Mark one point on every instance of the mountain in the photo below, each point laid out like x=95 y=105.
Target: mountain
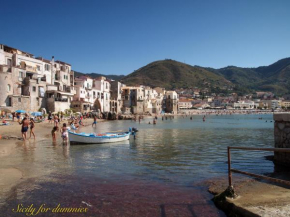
x=274 y=78
x=95 y=75
x=172 y=74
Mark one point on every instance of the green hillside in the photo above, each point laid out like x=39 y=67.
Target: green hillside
x=95 y=75
x=274 y=78
x=172 y=74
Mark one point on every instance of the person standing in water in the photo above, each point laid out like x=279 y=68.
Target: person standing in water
x=24 y=127
x=95 y=121
x=53 y=133
x=64 y=133
x=32 y=125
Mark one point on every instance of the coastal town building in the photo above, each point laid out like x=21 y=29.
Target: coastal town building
x=247 y=104
x=184 y=104
x=60 y=94
x=285 y=104
x=31 y=83
x=171 y=102
x=116 y=102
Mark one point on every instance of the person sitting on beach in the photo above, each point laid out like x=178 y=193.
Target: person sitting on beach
x=32 y=125
x=64 y=133
x=53 y=133
x=24 y=127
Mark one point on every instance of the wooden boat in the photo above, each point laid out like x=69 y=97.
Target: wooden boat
x=92 y=138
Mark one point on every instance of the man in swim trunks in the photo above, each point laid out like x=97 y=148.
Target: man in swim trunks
x=24 y=127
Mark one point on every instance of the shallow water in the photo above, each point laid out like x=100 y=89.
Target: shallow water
x=175 y=153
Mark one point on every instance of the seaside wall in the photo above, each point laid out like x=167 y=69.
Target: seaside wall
x=282 y=138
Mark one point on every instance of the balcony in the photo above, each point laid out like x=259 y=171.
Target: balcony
x=51 y=88
x=30 y=68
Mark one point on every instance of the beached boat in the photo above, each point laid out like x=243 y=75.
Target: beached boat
x=92 y=138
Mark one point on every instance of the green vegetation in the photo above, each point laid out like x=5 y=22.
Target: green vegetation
x=172 y=74
x=96 y=75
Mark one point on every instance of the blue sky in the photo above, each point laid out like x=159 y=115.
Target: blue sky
x=118 y=37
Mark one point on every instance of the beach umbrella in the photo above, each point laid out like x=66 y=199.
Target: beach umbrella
x=20 y=111
x=35 y=114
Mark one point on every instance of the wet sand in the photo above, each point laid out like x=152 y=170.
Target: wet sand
x=113 y=198
x=11 y=176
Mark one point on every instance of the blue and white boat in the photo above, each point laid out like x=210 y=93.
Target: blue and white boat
x=92 y=138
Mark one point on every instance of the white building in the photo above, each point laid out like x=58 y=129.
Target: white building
x=246 y=105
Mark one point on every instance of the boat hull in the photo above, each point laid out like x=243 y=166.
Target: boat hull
x=79 y=138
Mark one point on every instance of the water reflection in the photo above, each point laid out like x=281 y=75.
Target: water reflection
x=176 y=151
x=180 y=150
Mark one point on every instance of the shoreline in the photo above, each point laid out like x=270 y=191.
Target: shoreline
x=42 y=131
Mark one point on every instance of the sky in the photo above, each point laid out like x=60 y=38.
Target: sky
x=120 y=36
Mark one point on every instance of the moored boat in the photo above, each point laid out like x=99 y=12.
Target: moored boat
x=92 y=138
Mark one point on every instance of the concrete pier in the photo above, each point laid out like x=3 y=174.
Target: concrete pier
x=282 y=138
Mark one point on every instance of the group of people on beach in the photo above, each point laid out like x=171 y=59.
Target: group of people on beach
x=26 y=124
x=73 y=124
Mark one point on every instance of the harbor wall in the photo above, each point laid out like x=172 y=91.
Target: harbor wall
x=282 y=138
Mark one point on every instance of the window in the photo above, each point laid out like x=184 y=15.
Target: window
x=8 y=87
x=9 y=102
x=19 y=99
x=9 y=62
x=64 y=77
x=47 y=67
x=34 y=89
x=38 y=67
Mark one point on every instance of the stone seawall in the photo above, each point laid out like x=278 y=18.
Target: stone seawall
x=282 y=138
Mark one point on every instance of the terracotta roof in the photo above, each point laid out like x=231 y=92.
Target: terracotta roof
x=184 y=100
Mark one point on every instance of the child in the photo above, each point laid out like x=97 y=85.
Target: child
x=53 y=133
x=64 y=133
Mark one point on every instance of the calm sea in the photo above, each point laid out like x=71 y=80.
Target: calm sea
x=175 y=152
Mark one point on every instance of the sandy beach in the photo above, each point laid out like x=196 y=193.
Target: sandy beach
x=11 y=138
